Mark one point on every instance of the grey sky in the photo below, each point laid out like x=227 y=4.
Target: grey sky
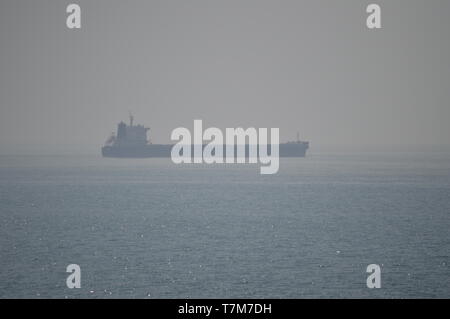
x=308 y=66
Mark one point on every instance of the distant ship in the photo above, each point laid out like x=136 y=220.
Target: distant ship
x=131 y=142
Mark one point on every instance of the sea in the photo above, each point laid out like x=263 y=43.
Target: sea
x=147 y=228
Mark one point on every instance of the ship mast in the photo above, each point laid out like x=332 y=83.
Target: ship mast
x=131 y=119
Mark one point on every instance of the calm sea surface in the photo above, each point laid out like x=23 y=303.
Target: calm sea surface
x=147 y=228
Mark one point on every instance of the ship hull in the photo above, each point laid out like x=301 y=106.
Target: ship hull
x=164 y=150
x=152 y=150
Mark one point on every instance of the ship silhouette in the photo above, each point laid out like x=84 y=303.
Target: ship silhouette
x=131 y=141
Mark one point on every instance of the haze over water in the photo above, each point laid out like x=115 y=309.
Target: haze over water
x=150 y=229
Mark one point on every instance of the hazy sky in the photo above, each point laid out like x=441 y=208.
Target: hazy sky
x=308 y=66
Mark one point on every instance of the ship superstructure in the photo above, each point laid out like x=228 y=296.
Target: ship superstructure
x=129 y=135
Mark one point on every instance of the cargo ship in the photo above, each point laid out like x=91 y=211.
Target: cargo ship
x=131 y=141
